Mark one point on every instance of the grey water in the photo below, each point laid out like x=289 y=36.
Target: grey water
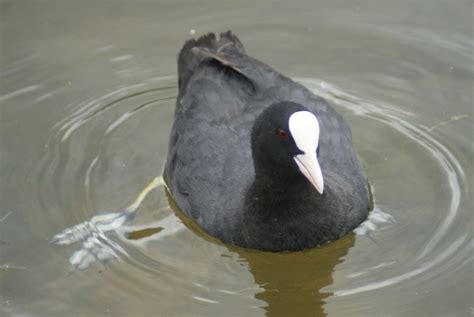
x=87 y=92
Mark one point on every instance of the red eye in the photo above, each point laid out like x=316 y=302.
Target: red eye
x=282 y=134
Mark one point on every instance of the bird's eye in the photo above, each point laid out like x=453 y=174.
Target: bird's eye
x=282 y=134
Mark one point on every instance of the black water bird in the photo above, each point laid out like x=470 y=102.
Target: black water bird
x=256 y=159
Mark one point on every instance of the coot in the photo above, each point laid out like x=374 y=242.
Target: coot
x=256 y=159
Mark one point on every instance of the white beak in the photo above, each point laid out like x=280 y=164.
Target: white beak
x=309 y=166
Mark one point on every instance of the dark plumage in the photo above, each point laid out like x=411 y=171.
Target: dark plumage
x=230 y=171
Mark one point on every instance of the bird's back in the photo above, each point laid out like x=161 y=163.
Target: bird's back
x=209 y=164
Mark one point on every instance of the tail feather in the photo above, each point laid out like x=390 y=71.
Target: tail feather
x=230 y=39
x=188 y=61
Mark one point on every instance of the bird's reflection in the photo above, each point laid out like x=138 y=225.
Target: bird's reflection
x=291 y=282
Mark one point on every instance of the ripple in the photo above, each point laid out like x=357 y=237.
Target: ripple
x=394 y=118
x=115 y=236
x=432 y=253
x=19 y=92
x=98 y=235
x=445 y=254
x=121 y=58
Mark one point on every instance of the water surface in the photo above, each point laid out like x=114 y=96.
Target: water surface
x=87 y=92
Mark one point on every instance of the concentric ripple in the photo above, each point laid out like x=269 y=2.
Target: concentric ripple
x=105 y=142
x=388 y=115
x=85 y=113
x=107 y=113
x=434 y=254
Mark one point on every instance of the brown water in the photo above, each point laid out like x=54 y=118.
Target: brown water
x=87 y=94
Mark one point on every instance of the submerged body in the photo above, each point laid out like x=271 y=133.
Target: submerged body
x=233 y=165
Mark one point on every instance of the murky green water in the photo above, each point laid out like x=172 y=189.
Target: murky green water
x=86 y=101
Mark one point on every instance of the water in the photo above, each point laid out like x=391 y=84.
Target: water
x=86 y=99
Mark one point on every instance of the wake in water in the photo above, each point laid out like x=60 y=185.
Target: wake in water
x=97 y=246
x=95 y=234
